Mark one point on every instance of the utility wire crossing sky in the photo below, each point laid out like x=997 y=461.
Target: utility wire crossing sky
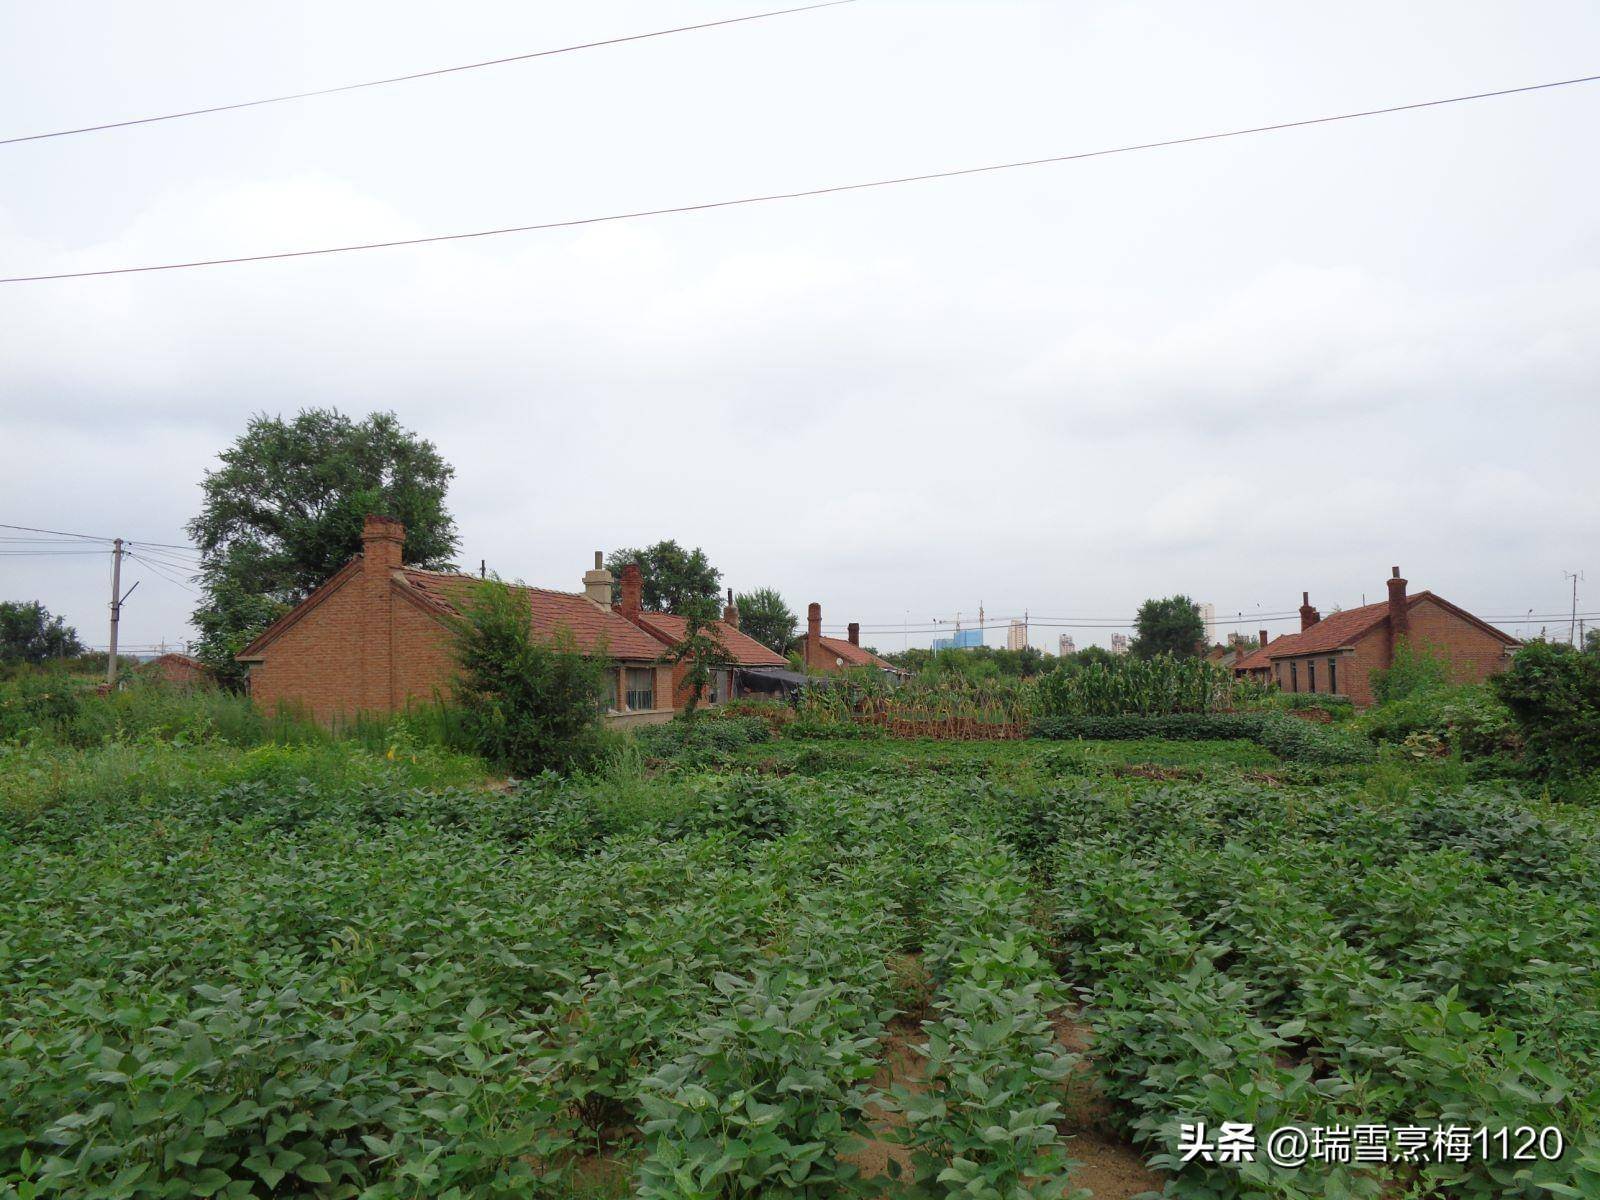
x=578 y=222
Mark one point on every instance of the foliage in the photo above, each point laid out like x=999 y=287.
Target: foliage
x=1553 y=692
x=699 y=652
x=528 y=705
x=284 y=511
x=29 y=634
x=764 y=616
x=1338 y=707
x=38 y=704
x=673 y=576
x=1415 y=668
x=701 y=742
x=974 y=661
x=1285 y=736
x=1468 y=720
x=318 y=970
x=1170 y=626
x=944 y=705
x=1144 y=686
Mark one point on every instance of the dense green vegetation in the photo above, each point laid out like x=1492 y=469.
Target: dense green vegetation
x=243 y=957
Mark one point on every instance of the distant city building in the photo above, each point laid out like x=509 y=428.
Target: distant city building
x=1208 y=614
x=1017 y=636
x=1068 y=646
x=964 y=639
x=1119 y=643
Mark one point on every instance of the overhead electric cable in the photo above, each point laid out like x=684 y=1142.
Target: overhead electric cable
x=805 y=193
x=372 y=83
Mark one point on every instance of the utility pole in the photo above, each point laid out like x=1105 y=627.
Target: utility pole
x=116 y=610
x=1572 y=630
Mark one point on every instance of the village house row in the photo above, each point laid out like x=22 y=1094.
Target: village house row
x=379 y=635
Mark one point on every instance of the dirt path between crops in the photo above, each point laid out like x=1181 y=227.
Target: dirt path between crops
x=1107 y=1164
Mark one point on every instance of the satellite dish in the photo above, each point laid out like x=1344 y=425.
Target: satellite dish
x=838 y=662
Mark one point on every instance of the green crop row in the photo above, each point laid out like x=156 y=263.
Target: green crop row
x=982 y=1122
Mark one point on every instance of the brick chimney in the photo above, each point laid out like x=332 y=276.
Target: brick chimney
x=1399 y=613
x=855 y=633
x=597 y=583
x=730 y=614
x=814 y=622
x=1263 y=636
x=1308 y=615
x=632 y=590
x=383 y=543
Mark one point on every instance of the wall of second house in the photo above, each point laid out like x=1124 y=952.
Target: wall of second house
x=334 y=661
x=1473 y=653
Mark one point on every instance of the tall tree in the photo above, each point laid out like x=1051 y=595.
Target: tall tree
x=284 y=511
x=673 y=576
x=764 y=616
x=700 y=650
x=1170 y=626
x=28 y=633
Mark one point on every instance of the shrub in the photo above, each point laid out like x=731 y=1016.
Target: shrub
x=1283 y=735
x=1468 y=720
x=1413 y=669
x=526 y=704
x=701 y=743
x=1553 y=693
x=38 y=704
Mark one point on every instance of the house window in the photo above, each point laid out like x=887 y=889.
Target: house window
x=721 y=686
x=1333 y=675
x=1311 y=676
x=641 y=689
x=1294 y=677
x=608 y=693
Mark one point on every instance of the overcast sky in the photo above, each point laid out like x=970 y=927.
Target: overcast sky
x=1239 y=370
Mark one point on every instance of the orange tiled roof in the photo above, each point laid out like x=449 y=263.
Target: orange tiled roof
x=745 y=650
x=589 y=624
x=853 y=655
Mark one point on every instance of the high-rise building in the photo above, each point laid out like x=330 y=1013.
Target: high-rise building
x=1068 y=646
x=1208 y=614
x=1119 y=643
x=1017 y=635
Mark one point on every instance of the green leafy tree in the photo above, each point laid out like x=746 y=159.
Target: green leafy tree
x=700 y=651
x=284 y=511
x=526 y=704
x=673 y=576
x=29 y=634
x=1591 y=642
x=1553 y=692
x=1171 y=626
x=764 y=616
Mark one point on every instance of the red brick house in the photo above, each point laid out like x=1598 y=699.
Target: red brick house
x=828 y=656
x=178 y=670
x=377 y=636
x=1338 y=653
x=743 y=650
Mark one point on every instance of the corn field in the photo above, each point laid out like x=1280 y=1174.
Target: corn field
x=943 y=708
x=1137 y=687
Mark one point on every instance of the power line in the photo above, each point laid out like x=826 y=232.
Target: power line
x=797 y=195
x=88 y=537
x=372 y=83
x=139 y=558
